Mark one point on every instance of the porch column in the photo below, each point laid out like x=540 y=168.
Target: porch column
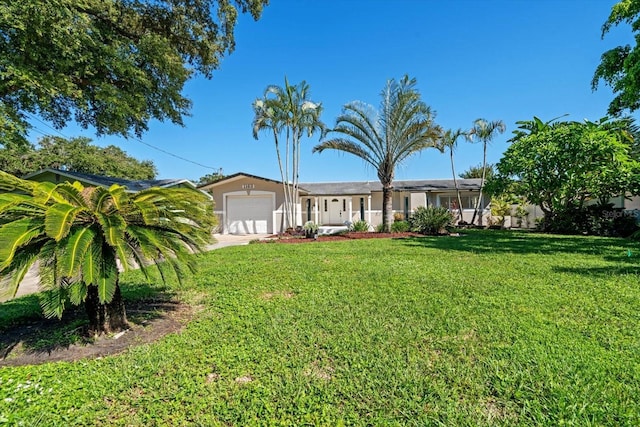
x=315 y=209
x=369 y=209
x=350 y=209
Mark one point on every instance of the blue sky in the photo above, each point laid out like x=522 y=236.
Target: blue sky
x=507 y=60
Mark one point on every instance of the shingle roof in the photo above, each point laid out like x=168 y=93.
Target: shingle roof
x=367 y=187
x=106 y=181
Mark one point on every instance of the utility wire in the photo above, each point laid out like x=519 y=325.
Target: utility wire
x=184 y=159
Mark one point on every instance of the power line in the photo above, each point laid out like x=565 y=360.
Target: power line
x=184 y=159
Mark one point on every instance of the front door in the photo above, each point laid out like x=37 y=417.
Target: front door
x=336 y=213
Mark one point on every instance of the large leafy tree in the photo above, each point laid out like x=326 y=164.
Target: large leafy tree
x=288 y=112
x=385 y=137
x=620 y=66
x=449 y=140
x=79 y=235
x=74 y=155
x=110 y=64
x=484 y=131
x=475 y=172
x=560 y=166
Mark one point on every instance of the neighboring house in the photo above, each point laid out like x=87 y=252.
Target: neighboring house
x=55 y=176
x=247 y=204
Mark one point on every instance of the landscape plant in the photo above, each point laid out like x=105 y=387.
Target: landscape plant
x=288 y=111
x=360 y=226
x=81 y=236
x=484 y=131
x=449 y=140
x=385 y=137
x=564 y=166
x=431 y=220
x=400 y=226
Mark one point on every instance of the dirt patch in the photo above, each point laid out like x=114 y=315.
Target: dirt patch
x=338 y=237
x=150 y=320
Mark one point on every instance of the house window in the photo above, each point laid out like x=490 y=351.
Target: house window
x=344 y=205
x=325 y=205
x=308 y=209
x=406 y=207
x=362 y=208
x=451 y=202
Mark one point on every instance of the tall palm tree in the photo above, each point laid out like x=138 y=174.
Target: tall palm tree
x=79 y=235
x=384 y=138
x=449 y=140
x=288 y=110
x=484 y=131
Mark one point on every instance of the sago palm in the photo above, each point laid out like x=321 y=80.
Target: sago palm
x=79 y=236
x=385 y=137
x=484 y=131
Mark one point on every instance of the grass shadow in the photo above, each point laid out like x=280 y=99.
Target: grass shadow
x=23 y=326
x=519 y=242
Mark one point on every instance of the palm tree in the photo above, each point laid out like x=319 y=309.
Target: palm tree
x=288 y=110
x=384 y=138
x=484 y=131
x=449 y=140
x=79 y=235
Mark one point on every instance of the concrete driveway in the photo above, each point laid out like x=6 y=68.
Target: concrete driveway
x=30 y=283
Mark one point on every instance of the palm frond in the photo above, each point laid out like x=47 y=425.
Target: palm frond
x=76 y=246
x=16 y=234
x=13 y=275
x=58 y=220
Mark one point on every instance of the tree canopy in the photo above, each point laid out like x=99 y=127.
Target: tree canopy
x=74 y=155
x=561 y=166
x=620 y=66
x=110 y=64
x=476 y=172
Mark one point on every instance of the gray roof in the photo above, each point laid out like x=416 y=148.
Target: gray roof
x=367 y=187
x=106 y=181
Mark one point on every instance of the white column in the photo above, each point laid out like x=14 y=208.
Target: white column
x=315 y=209
x=350 y=209
x=369 y=209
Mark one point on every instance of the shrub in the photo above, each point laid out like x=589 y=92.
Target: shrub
x=598 y=220
x=360 y=226
x=310 y=228
x=400 y=227
x=398 y=216
x=431 y=220
x=380 y=228
x=500 y=209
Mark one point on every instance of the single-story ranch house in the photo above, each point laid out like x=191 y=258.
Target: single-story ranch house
x=247 y=204
x=88 y=180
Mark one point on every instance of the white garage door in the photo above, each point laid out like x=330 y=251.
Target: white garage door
x=249 y=214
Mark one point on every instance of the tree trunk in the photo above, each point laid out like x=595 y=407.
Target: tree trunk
x=484 y=170
x=105 y=318
x=387 y=207
x=455 y=184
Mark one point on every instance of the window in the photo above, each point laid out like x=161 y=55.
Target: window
x=406 y=207
x=362 y=208
x=308 y=209
x=451 y=202
x=344 y=205
x=325 y=205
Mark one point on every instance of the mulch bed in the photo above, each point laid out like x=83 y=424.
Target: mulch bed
x=150 y=320
x=338 y=237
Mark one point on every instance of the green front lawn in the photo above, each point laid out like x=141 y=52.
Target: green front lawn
x=484 y=329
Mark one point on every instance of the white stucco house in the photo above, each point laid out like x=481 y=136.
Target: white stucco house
x=247 y=204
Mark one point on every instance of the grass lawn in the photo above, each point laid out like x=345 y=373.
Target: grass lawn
x=491 y=328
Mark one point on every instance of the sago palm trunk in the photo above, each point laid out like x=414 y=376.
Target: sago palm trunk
x=105 y=318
